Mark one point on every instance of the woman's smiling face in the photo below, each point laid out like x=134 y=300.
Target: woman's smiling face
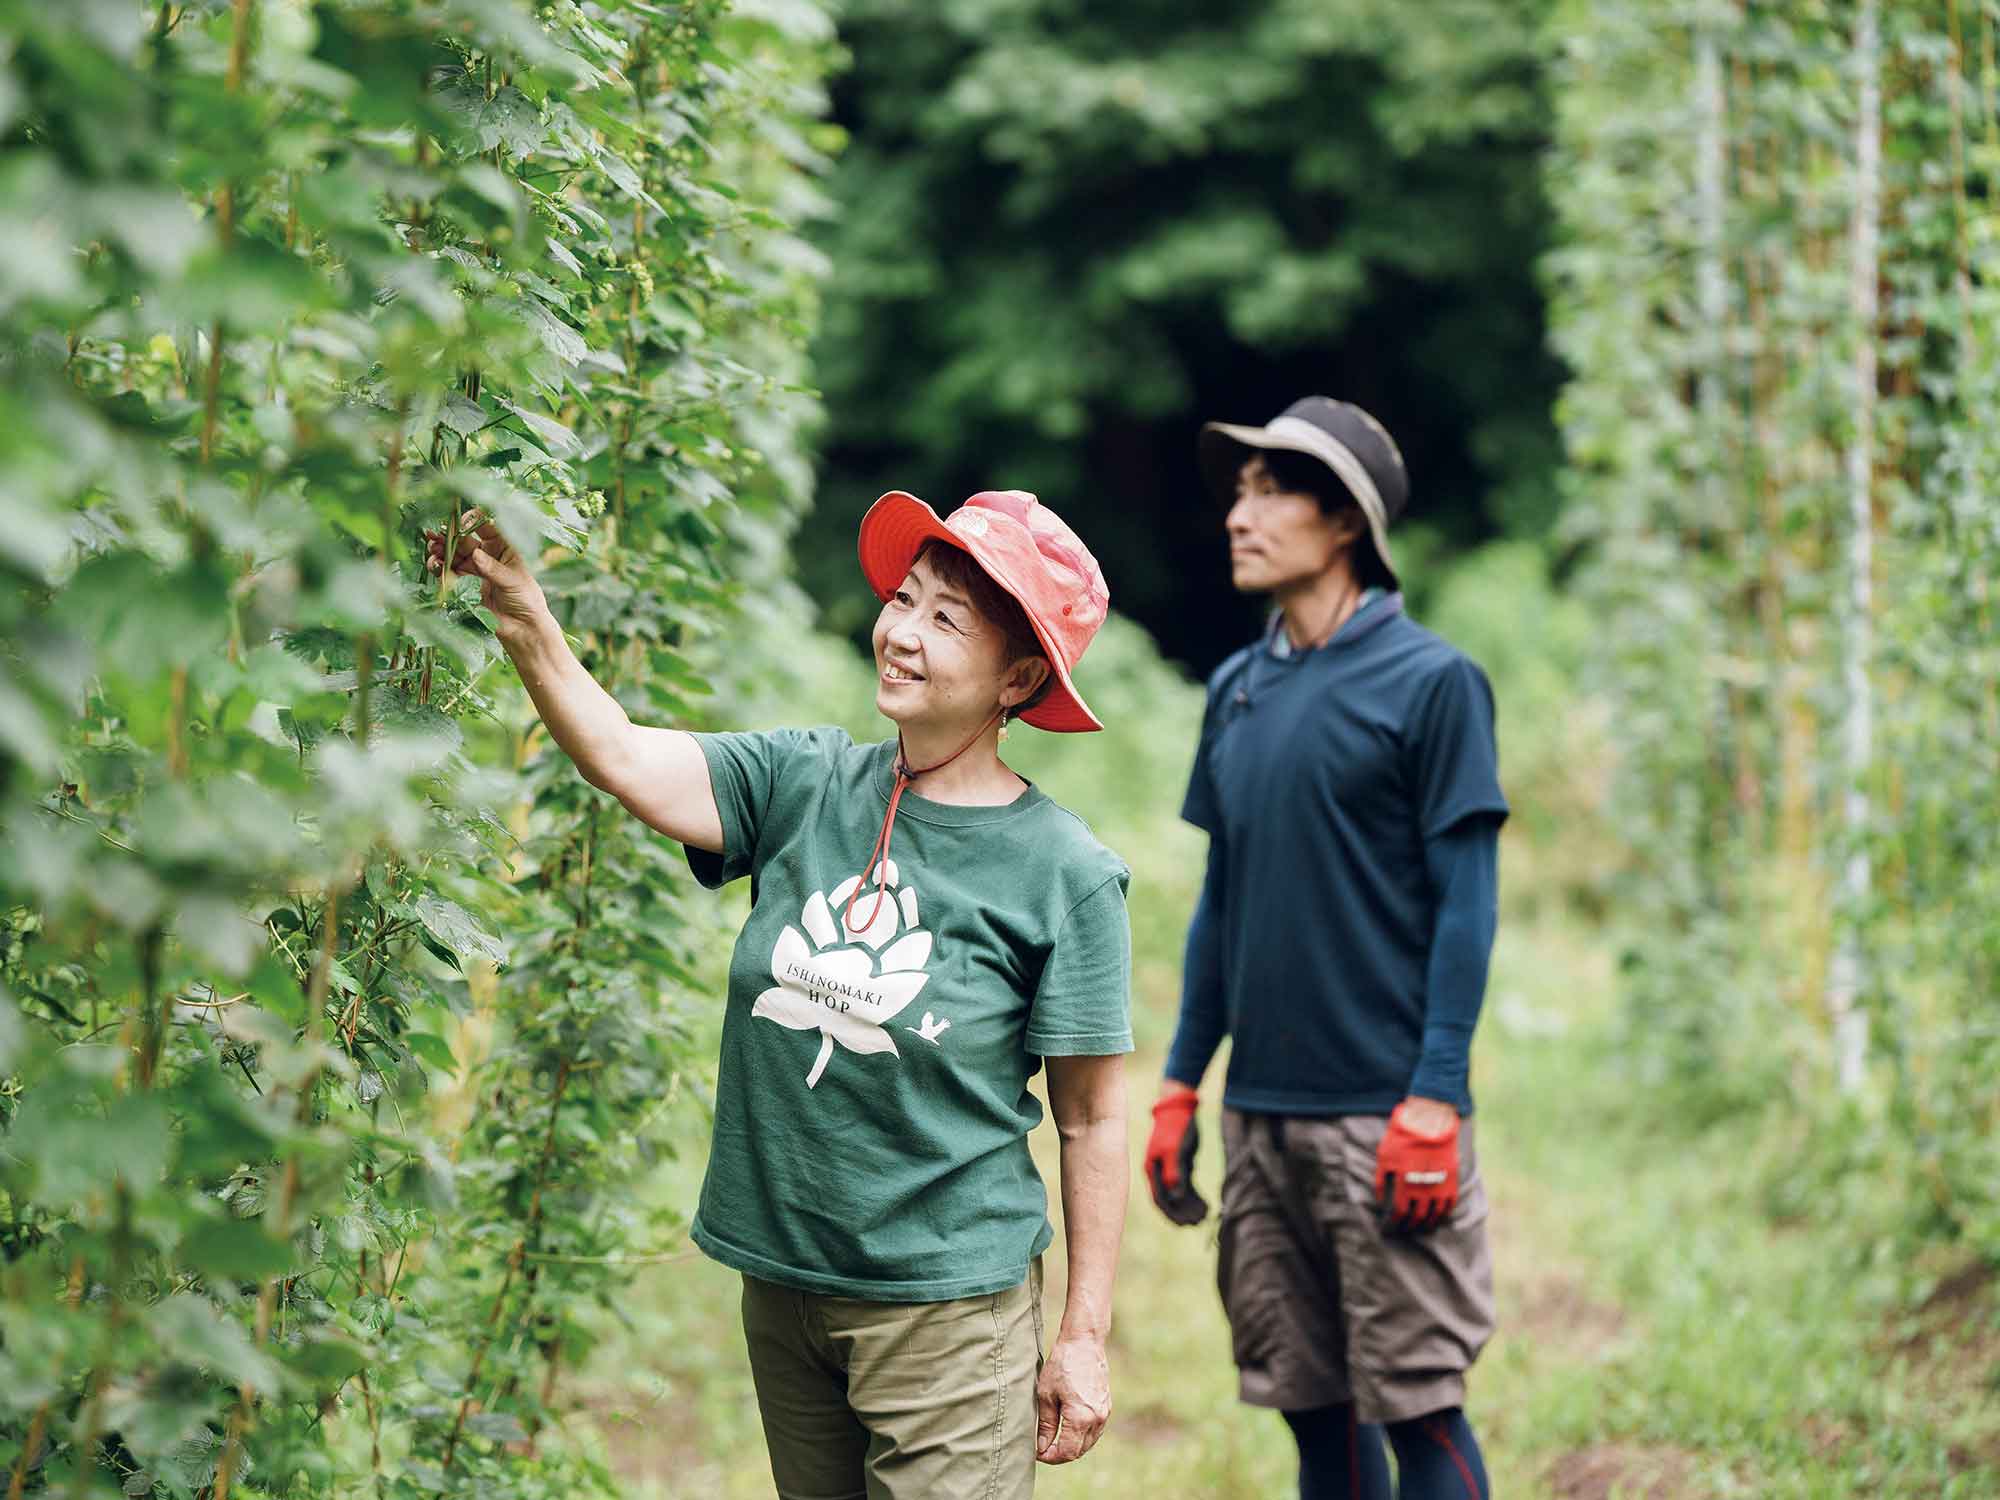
x=938 y=660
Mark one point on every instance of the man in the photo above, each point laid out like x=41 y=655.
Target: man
x=1347 y=780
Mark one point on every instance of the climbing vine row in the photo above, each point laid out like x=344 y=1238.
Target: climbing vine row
x=1778 y=289
x=336 y=1014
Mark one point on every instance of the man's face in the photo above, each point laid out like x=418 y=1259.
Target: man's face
x=1278 y=538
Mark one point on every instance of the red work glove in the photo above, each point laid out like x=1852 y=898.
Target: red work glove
x=1416 y=1174
x=1170 y=1156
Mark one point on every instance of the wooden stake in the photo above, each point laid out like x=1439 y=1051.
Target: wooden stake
x=1850 y=1021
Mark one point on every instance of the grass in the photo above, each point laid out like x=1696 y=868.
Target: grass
x=1720 y=1354
x=1660 y=1336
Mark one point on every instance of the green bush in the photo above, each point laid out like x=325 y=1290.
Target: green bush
x=1563 y=849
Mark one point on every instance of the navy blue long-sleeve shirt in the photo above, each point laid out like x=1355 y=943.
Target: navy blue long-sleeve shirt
x=1347 y=914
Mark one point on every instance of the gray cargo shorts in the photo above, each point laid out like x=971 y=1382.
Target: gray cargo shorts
x=1323 y=1307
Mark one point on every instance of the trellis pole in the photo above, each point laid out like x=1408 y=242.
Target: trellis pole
x=1850 y=1021
x=1712 y=285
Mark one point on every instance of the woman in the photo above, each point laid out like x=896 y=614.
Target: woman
x=927 y=929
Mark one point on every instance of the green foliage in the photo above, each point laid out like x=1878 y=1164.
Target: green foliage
x=1070 y=231
x=1705 y=295
x=1563 y=850
x=1656 y=1310
x=336 y=1013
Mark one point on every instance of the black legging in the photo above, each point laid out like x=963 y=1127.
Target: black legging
x=1437 y=1457
x=1339 y=1458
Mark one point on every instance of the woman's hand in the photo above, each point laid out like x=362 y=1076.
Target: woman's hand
x=505 y=585
x=1072 y=1399
x=659 y=774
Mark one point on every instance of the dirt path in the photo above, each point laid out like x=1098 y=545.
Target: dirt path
x=1550 y=1318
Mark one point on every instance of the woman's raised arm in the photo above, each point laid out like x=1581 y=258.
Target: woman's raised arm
x=659 y=774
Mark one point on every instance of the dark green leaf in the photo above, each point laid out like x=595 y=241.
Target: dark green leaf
x=237 y=1249
x=431 y=1048
x=456 y=928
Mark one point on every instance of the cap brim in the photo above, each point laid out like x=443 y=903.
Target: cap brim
x=1223 y=447
x=892 y=534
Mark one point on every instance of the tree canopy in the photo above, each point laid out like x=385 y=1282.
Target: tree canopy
x=1067 y=233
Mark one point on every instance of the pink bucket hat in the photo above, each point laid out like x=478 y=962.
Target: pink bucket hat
x=1024 y=547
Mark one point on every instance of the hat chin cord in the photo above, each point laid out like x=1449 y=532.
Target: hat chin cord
x=1343 y=609
x=878 y=857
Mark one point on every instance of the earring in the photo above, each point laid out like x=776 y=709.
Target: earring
x=1003 y=723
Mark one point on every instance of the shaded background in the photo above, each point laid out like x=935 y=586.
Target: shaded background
x=1066 y=234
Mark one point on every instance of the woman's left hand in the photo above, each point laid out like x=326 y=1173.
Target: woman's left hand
x=1072 y=1399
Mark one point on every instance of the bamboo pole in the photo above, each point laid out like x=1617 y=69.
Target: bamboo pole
x=1850 y=1021
x=530 y=1236
x=1711 y=276
x=1722 y=471
x=38 y=1425
x=1762 y=275
x=236 y=1434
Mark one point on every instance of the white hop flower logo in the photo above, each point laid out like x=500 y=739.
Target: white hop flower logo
x=849 y=992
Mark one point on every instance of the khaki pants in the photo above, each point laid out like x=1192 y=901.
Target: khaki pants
x=897 y=1401
x=1324 y=1308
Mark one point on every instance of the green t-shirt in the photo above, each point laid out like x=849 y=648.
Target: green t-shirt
x=872 y=1107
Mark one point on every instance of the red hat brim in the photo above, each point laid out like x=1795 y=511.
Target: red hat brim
x=894 y=532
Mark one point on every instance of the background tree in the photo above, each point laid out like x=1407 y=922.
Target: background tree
x=1065 y=233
